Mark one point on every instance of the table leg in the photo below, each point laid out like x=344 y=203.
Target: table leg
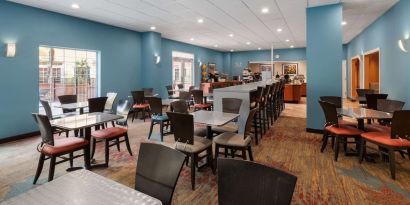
x=81 y=111
x=209 y=132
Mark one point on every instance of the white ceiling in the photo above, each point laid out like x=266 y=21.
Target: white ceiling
x=177 y=19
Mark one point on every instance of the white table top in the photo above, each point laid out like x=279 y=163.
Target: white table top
x=73 y=105
x=364 y=113
x=80 y=188
x=85 y=120
x=245 y=87
x=213 y=117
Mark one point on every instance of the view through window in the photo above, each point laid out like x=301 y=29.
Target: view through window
x=64 y=71
x=183 y=69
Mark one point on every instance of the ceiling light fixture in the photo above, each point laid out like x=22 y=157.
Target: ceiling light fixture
x=192 y=39
x=287 y=40
x=216 y=46
x=292 y=46
x=248 y=43
x=231 y=35
x=265 y=10
x=200 y=20
x=232 y=50
x=259 y=48
x=153 y=28
x=75 y=6
x=279 y=30
x=344 y=23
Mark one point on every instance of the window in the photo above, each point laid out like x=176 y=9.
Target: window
x=64 y=71
x=183 y=69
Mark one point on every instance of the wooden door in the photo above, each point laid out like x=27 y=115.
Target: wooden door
x=371 y=71
x=355 y=80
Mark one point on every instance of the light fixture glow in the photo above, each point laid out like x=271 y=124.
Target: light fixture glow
x=287 y=40
x=232 y=50
x=231 y=35
x=153 y=28
x=265 y=10
x=277 y=56
x=344 y=23
x=157 y=58
x=10 y=50
x=403 y=45
x=292 y=46
x=192 y=39
x=279 y=30
x=200 y=20
x=259 y=48
x=248 y=43
x=75 y=6
x=216 y=46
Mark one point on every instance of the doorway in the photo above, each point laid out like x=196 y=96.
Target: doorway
x=355 y=78
x=183 y=69
x=372 y=71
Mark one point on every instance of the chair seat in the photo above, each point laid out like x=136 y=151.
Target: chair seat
x=377 y=128
x=205 y=105
x=230 y=127
x=108 y=133
x=200 y=131
x=232 y=139
x=385 y=139
x=160 y=117
x=200 y=144
x=140 y=106
x=347 y=123
x=64 y=145
x=343 y=130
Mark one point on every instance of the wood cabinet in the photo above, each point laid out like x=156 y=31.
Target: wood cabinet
x=303 y=90
x=293 y=92
x=209 y=87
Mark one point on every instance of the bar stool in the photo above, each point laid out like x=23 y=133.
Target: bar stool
x=257 y=120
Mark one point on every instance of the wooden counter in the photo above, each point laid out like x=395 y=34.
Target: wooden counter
x=293 y=93
x=303 y=90
x=209 y=87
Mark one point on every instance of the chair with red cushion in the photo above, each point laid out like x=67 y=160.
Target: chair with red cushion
x=334 y=129
x=114 y=133
x=52 y=149
x=397 y=140
x=199 y=101
x=337 y=100
x=140 y=105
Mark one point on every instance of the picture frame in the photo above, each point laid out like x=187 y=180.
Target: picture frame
x=211 y=68
x=265 y=67
x=290 y=68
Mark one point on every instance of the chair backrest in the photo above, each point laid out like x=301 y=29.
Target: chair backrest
x=47 y=109
x=266 y=94
x=138 y=97
x=191 y=87
x=158 y=170
x=243 y=182
x=184 y=95
x=198 y=96
x=362 y=92
x=180 y=106
x=336 y=100
x=273 y=89
x=330 y=111
x=46 y=131
x=96 y=104
x=155 y=104
x=180 y=86
x=169 y=90
x=249 y=120
x=183 y=127
x=148 y=91
x=110 y=101
x=253 y=96
x=389 y=105
x=231 y=105
x=401 y=124
x=371 y=100
x=67 y=99
x=259 y=93
x=123 y=109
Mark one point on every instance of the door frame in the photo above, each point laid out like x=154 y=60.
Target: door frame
x=193 y=65
x=364 y=70
x=351 y=74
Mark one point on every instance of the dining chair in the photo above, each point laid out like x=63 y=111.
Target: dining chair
x=244 y=182
x=97 y=104
x=180 y=106
x=52 y=149
x=361 y=95
x=333 y=129
x=389 y=106
x=67 y=99
x=157 y=117
x=192 y=146
x=338 y=102
x=371 y=99
x=148 y=92
x=186 y=96
x=180 y=86
x=236 y=141
x=256 y=98
x=171 y=94
x=111 y=97
x=397 y=140
x=199 y=103
x=229 y=105
x=158 y=169
x=49 y=114
x=140 y=104
x=114 y=134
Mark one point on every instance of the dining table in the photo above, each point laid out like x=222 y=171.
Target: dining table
x=213 y=118
x=82 y=187
x=74 y=106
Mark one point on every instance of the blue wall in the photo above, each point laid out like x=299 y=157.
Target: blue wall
x=28 y=27
x=384 y=33
x=324 y=59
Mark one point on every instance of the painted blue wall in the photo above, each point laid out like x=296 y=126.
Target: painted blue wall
x=384 y=33
x=29 y=27
x=324 y=59
x=151 y=46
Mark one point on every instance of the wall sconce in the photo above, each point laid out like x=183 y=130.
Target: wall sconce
x=157 y=58
x=10 y=50
x=403 y=45
x=277 y=56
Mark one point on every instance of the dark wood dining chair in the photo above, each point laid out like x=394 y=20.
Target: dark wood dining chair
x=244 y=182
x=199 y=103
x=371 y=99
x=171 y=93
x=389 y=106
x=180 y=106
x=114 y=134
x=52 y=149
x=97 y=104
x=397 y=140
x=229 y=105
x=192 y=146
x=180 y=86
x=157 y=117
x=338 y=102
x=49 y=114
x=148 y=92
x=333 y=129
x=158 y=170
x=361 y=95
x=67 y=99
x=140 y=105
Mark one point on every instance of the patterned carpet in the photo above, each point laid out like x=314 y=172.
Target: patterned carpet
x=287 y=146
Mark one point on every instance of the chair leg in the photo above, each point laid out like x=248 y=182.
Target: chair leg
x=161 y=130
x=392 y=163
x=39 y=167
x=216 y=151
x=210 y=159
x=150 y=129
x=337 y=148
x=244 y=153
x=193 y=171
x=250 y=153
x=94 y=141
x=118 y=144
x=362 y=150
x=107 y=152
x=324 y=142
x=87 y=157
x=71 y=155
x=52 y=167
x=226 y=152
x=127 y=143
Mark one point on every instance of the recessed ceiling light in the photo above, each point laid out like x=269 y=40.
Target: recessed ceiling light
x=248 y=43
x=259 y=48
x=279 y=30
x=265 y=10
x=292 y=46
x=232 y=50
x=216 y=46
x=231 y=35
x=344 y=23
x=200 y=20
x=153 y=28
x=75 y=6
x=192 y=39
x=287 y=40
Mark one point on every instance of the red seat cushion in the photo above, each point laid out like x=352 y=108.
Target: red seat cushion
x=64 y=145
x=343 y=130
x=202 y=105
x=385 y=139
x=109 y=132
x=141 y=106
x=377 y=128
x=347 y=123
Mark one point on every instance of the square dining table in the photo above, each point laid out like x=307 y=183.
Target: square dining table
x=213 y=118
x=362 y=114
x=82 y=187
x=72 y=106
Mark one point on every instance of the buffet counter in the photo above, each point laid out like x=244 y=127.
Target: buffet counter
x=209 y=87
x=293 y=92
